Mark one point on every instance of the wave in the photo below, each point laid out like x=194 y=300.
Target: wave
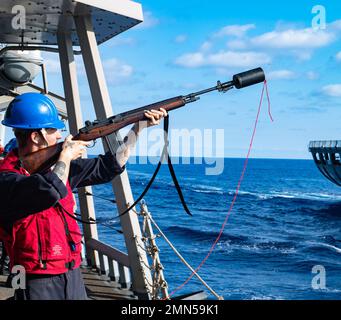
x=140 y=174
x=268 y=248
x=108 y=221
x=264 y=297
x=187 y=187
x=318 y=245
x=289 y=195
x=228 y=242
x=201 y=235
x=324 y=209
x=166 y=183
x=199 y=188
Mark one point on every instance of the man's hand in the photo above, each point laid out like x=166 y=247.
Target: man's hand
x=155 y=116
x=73 y=149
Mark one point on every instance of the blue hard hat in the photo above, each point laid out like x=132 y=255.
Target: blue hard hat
x=32 y=111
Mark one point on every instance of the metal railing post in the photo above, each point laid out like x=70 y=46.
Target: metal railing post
x=141 y=276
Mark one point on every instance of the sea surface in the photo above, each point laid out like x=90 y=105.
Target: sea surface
x=286 y=221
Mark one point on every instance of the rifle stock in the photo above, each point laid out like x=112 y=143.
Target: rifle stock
x=45 y=158
x=42 y=159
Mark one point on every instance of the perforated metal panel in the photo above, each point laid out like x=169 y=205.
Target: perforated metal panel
x=327 y=157
x=44 y=18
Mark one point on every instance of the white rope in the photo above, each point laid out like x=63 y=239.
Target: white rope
x=183 y=259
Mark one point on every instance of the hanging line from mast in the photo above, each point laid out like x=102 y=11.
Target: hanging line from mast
x=182 y=258
x=265 y=87
x=89 y=221
x=164 y=155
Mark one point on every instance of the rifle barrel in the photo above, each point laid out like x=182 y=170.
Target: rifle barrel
x=240 y=80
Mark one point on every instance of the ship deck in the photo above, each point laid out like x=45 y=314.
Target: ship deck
x=98 y=287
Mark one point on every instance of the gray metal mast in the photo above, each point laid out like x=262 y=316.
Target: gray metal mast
x=121 y=186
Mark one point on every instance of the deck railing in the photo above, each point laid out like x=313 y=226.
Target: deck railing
x=113 y=262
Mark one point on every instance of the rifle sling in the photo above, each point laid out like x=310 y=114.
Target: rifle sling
x=164 y=154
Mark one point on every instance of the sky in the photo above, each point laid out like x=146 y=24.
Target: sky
x=186 y=46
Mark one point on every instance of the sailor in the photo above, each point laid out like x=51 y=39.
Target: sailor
x=12 y=144
x=36 y=220
x=3 y=151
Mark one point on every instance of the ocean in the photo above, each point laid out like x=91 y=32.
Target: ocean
x=282 y=239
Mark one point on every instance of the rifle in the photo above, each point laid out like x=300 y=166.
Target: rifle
x=43 y=159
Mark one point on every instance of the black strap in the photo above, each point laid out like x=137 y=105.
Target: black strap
x=87 y=193
x=164 y=151
x=91 y=221
x=164 y=154
x=172 y=172
x=177 y=186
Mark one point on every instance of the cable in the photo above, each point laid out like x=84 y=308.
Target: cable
x=87 y=193
x=183 y=259
x=237 y=189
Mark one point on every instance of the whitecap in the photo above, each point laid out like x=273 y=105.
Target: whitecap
x=338 y=250
x=306 y=196
x=200 y=188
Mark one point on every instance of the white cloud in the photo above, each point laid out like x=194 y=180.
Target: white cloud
x=116 y=71
x=294 y=39
x=119 y=41
x=303 y=55
x=191 y=60
x=181 y=38
x=223 y=59
x=238 y=59
x=237 y=44
x=245 y=51
x=338 y=56
x=312 y=75
x=235 y=30
x=336 y=25
x=281 y=74
x=149 y=21
x=332 y=90
x=206 y=46
x=52 y=65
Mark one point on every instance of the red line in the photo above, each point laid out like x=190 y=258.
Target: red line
x=237 y=189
